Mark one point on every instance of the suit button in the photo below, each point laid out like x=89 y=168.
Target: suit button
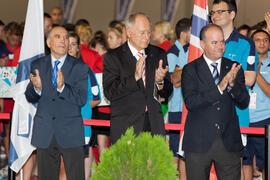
x=53 y=118
x=218 y=108
x=53 y=99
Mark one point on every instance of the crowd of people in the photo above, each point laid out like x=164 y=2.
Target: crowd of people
x=224 y=89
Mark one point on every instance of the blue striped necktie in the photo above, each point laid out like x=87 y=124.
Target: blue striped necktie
x=215 y=73
x=54 y=73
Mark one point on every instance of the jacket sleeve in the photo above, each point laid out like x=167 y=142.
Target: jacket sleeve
x=30 y=93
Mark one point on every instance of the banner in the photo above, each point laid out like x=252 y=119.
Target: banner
x=123 y=8
x=69 y=7
x=169 y=9
x=7 y=81
x=23 y=112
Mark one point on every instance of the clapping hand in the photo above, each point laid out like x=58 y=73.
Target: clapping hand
x=36 y=81
x=161 y=72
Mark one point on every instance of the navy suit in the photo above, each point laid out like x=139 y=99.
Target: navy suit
x=212 y=123
x=59 y=114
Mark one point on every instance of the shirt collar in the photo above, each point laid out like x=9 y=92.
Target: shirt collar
x=178 y=45
x=234 y=36
x=209 y=62
x=266 y=61
x=62 y=60
x=133 y=50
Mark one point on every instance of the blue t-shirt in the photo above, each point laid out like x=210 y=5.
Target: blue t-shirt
x=262 y=109
x=242 y=49
x=93 y=94
x=177 y=55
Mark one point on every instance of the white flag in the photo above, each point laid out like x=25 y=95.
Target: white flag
x=23 y=113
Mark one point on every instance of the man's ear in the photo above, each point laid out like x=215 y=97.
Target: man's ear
x=202 y=44
x=128 y=31
x=48 y=42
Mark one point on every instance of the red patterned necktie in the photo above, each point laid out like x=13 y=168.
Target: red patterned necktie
x=139 y=54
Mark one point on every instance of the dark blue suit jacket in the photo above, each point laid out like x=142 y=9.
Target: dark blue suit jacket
x=59 y=114
x=207 y=108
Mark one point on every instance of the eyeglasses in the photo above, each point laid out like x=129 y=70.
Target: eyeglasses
x=219 y=12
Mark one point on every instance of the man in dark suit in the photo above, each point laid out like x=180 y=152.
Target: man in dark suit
x=212 y=85
x=58 y=83
x=135 y=75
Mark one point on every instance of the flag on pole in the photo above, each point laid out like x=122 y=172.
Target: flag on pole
x=169 y=9
x=69 y=7
x=199 y=20
x=123 y=9
x=23 y=113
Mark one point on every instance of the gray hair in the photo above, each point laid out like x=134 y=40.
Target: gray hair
x=131 y=19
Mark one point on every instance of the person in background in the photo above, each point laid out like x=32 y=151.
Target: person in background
x=115 y=36
x=243 y=29
x=177 y=57
x=82 y=22
x=239 y=48
x=57 y=16
x=89 y=56
x=99 y=44
x=2 y=25
x=259 y=105
x=13 y=34
x=100 y=134
x=163 y=34
x=93 y=99
x=47 y=28
x=114 y=23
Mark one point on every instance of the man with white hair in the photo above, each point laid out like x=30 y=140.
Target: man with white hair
x=135 y=76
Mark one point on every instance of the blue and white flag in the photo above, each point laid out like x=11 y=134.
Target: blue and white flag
x=23 y=113
x=69 y=7
x=123 y=9
x=169 y=8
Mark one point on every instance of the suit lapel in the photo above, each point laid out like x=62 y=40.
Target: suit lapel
x=48 y=70
x=204 y=72
x=224 y=69
x=128 y=57
x=66 y=66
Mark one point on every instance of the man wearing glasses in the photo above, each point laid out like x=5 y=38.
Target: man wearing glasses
x=239 y=48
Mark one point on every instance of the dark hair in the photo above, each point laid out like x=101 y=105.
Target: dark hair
x=260 y=31
x=243 y=27
x=82 y=21
x=183 y=25
x=13 y=28
x=205 y=29
x=231 y=4
x=99 y=38
x=2 y=23
x=114 y=23
x=262 y=24
x=47 y=15
x=69 y=27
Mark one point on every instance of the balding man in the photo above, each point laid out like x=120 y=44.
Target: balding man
x=58 y=84
x=212 y=86
x=135 y=75
x=57 y=16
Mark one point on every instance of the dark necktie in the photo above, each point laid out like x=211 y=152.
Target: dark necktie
x=215 y=73
x=54 y=73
